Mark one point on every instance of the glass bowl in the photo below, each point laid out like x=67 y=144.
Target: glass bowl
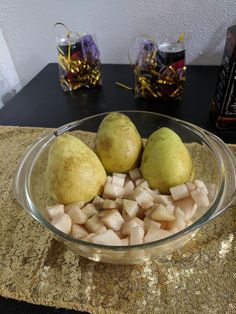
x=213 y=160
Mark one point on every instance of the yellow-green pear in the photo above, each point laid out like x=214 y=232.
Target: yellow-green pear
x=192 y=174
x=166 y=161
x=74 y=172
x=118 y=143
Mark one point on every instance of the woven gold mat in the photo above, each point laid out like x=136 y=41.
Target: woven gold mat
x=201 y=278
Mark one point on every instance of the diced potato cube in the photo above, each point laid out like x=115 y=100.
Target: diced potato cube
x=162 y=199
x=79 y=204
x=89 y=210
x=148 y=223
x=120 y=175
x=119 y=203
x=155 y=234
x=131 y=207
x=164 y=224
x=188 y=206
x=103 y=213
x=98 y=202
x=189 y=214
x=179 y=191
x=109 y=204
x=139 y=181
x=140 y=213
x=78 y=231
x=125 y=241
x=135 y=174
x=109 y=179
x=180 y=218
x=200 y=197
x=124 y=214
x=171 y=226
x=184 y=203
x=101 y=229
x=190 y=186
x=144 y=185
x=156 y=191
x=77 y=215
x=93 y=224
x=147 y=205
x=170 y=208
x=160 y=213
x=201 y=184
x=143 y=198
x=128 y=190
x=127 y=179
x=136 y=235
x=179 y=223
x=150 y=191
x=55 y=210
x=88 y=238
x=113 y=220
x=128 y=225
x=107 y=238
x=118 y=180
x=112 y=191
x=62 y=222
x=148 y=212
x=119 y=234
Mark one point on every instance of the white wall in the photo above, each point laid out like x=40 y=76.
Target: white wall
x=27 y=27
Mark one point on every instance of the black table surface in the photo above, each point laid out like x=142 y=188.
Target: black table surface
x=42 y=103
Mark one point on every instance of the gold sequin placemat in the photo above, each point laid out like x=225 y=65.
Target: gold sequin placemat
x=201 y=278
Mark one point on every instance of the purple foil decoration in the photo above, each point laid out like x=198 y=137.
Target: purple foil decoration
x=145 y=48
x=89 y=50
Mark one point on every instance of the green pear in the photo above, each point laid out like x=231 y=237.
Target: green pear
x=118 y=143
x=74 y=172
x=192 y=174
x=166 y=161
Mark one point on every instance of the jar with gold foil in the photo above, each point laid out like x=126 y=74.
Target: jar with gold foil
x=78 y=60
x=160 y=69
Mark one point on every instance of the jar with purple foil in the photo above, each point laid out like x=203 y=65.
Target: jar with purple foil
x=160 y=70
x=78 y=61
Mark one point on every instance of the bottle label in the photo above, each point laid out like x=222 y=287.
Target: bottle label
x=225 y=95
x=230 y=97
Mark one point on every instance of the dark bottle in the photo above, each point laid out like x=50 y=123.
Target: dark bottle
x=224 y=101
